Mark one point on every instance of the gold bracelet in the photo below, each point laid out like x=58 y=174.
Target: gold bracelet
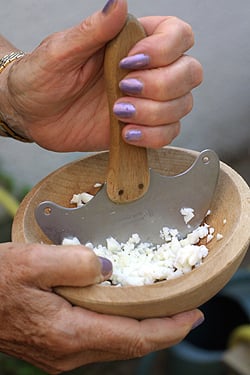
x=5 y=130
x=5 y=60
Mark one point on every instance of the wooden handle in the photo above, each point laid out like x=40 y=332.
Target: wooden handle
x=128 y=172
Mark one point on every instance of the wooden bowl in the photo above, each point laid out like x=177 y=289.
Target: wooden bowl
x=231 y=203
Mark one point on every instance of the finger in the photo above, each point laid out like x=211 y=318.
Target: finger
x=119 y=337
x=74 y=46
x=70 y=362
x=151 y=137
x=170 y=38
x=134 y=338
x=97 y=348
x=115 y=337
x=151 y=112
x=50 y=266
x=166 y=83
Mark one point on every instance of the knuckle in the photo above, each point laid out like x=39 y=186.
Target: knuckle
x=49 y=42
x=91 y=260
x=184 y=29
x=60 y=341
x=24 y=257
x=176 y=130
x=173 y=131
x=52 y=46
x=196 y=72
x=188 y=34
x=179 y=108
x=140 y=348
x=165 y=135
x=156 y=113
x=189 y=103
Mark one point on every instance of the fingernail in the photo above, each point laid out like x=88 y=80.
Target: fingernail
x=133 y=135
x=106 y=265
x=198 y=322
x=125 y=110
x=131 y=86
x=108 y=6
x=135 y=62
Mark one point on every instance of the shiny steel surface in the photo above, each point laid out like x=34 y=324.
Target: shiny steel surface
x=100 y=218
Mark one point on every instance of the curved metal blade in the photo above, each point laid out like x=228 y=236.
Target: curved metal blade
x=100 y=218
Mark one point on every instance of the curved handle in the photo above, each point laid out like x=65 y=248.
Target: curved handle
x=128 y=172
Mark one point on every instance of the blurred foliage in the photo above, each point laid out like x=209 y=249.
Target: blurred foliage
x=13 y=366
x=11 y=196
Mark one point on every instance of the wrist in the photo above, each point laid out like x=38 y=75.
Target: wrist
x=8 y=58
x=9 y=123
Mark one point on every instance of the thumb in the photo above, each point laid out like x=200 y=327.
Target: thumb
x=74 y=265
x=79 y=43
x=104 y=25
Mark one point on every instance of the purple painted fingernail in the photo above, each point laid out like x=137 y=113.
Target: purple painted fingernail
x=108 y=6
x=131 y=86
x=198 y=322
x=106 y=265
x=133 y=135
x=135 y=62
x=125 y=110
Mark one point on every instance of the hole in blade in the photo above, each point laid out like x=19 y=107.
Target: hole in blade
x=205 y=159
x=47 y=211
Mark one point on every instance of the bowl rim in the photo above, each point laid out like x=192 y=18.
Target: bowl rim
x=168 y=288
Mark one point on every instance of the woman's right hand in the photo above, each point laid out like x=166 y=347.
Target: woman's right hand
x=56 y=94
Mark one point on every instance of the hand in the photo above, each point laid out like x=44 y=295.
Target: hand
x=44 y=329
x=56 y=94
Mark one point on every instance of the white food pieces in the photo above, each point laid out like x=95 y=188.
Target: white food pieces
x=210 y=235
x=188 y=214
x=98 y=185
x=81 y=199
x=219 y=236
x=71 y=241
x=138 y=263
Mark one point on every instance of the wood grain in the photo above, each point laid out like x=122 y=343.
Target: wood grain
x=128 y=174
x=231 y=202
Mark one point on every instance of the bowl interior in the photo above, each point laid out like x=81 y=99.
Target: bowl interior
x=229 y=216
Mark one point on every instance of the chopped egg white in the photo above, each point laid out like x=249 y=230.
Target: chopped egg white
x=98 y=185
x=211 y=230
x=81 y=199
x=138 y=263
x=71 y=241
x=188 y=214
x=219 y=236
x=210 y=237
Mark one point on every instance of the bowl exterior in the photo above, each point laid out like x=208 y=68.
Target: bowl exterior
x=229 y=216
